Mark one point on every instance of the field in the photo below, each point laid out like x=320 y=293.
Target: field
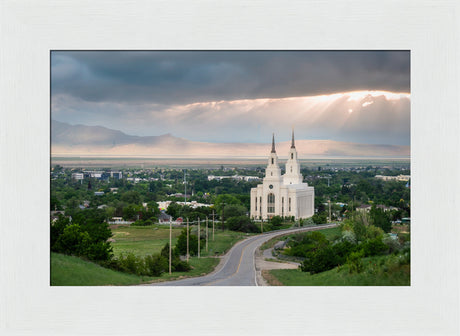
x=142 y=240
x=378 y=271
x=147 y=240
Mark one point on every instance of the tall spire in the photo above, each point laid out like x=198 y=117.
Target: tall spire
x=292 y=144
x=273 y=143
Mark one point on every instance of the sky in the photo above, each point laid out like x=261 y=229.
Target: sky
x=237 y=96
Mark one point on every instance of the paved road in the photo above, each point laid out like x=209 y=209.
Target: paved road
x=237 y=267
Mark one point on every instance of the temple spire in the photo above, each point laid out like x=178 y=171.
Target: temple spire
x=273 y=143
x=292 y=144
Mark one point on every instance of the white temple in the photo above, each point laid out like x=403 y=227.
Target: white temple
x=282 y=195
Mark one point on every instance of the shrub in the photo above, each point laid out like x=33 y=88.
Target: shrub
x=72 y=241
x=318 y=261
x=276 y=222
x=181 y=244
x=355 y=262
x=242 y=224
x=349 y=236
x=392 y=244
x=155 y=265
x=373 y=247
x=320 y=218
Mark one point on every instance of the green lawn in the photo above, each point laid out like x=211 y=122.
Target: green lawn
x=142 y=240
x=73 y=271
x=223 y=241
x=147 y=240
x=378 y=271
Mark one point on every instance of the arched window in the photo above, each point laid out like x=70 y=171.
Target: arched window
x=289 y=204
x=256 y=203
x=271 y=203
x=292 y=155
x=282 y=206
x=272 y=161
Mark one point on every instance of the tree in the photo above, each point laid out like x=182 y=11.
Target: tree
x=226 y=199
x=234 y=210
x=131 y=197
x=380 y=219
x=72 y=241
x=242 y=224
x=181 y=244
x=276 y=222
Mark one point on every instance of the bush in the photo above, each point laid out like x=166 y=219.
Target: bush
x=155 y=265
x=320 y=218
x=181 y=244
x=72 y=241
x=85 y=237
x=318 y=261
x=373 y=247
x=392 y=244
x=355 y=262
x=242 y=224
x=276 y=222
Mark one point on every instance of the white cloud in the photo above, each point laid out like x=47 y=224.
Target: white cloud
x=378 y=117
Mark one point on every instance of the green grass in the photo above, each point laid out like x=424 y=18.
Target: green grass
x=201 y=266
x=329 y=233
x=223 y=241
x=73 y=271
x=142 y=240
x=378 y=271
x=148 y=240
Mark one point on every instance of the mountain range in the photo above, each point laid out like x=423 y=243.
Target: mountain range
x=81 y=140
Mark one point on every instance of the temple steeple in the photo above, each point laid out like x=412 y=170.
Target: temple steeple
x=292 y=175
x=273 y=170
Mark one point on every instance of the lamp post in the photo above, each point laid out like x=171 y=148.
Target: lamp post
x=198 y=237
x=187 y=241
x=223 y=206
x=206 y=234
x=212 y=225
x=170 y=239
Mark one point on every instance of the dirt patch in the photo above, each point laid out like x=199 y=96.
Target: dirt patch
x=271 y=280
x=121 y=233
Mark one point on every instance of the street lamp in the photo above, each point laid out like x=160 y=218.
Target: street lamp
x=223 y=206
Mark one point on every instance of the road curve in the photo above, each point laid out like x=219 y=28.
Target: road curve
x=237 y=267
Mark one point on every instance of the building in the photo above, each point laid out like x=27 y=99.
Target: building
x=403 y=178
x=282 y=195
x=78 y=176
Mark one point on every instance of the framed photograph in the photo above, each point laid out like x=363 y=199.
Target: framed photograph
x=99 y=91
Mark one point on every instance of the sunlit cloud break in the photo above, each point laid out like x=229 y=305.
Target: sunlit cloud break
x=378 y=117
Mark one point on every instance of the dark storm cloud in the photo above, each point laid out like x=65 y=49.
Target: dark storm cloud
x=187 y=76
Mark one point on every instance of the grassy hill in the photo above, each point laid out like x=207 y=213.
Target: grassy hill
x=73 y=271
x=378 y=271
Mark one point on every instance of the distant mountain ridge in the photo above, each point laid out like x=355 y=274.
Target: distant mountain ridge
x=81 y=140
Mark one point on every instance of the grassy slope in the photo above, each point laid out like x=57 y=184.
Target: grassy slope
x=372 y=275
x=73 y=271
x=329 y=233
